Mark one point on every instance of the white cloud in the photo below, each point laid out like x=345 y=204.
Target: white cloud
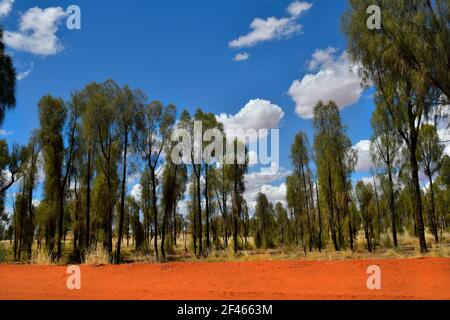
x=255 y=179
x=272 y=28
x=5 y=132
x=365 y=162
x=22 y=75
x=136 y=192
x=322 y=57
x=5 y=7
x=256 y=114
x=252 y=158
x=336 y=79
x=37 y=32
x=274 y=193
x=241 y=57
x=265 y=182
x=296 y=8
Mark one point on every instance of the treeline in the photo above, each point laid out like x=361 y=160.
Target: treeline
x=88 y=147
x=327 y=207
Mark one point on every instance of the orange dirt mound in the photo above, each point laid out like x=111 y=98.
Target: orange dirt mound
x=427 y=278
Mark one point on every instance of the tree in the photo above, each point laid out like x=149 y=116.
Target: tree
x=155 y=131
x=100 y=122
x=445 y=170
x=430 y=154
x=282 y=222
x=146 y=205
x=7 y=81
x=265 y=222
x=335 y=160
x=364 y=193
x=195 y=159
x=384 y=148
x=87 y=154
x=222 y=189
x=132 y=210
x=173 y=186
x=52 y=116
x=300 y=160
x=130 y=108
x=408 y=62
x=208 y=121
x=239 y=169
x=407 y=115
x=11 y=165
x=30 y=181
x=413 y=42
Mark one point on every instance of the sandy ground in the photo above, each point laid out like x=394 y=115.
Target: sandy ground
x=331 y=280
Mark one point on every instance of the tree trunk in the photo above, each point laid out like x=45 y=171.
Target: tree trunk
x=194 y=228
x=122 y=199
x=199 y=206
x=60 y=220
x=207 y=207
x=331 y=211
x=378 y=207
x=392 y=206
x=417 y=196
x=30 y=209
x=320 y=218
x=346 y=201
x=225 y=213
x=154 y=208
x=308 y=221
x=175 y=223
x=88 y=201
x=433 y=211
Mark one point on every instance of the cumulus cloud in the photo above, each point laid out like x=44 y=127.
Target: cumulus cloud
x=365 y=162
x=266 y=182
x=335 y=78
x=272 y=28
x=241 y=57
x=37 y=32
x=256 y=114
x=274 y=193
x=5 y=7
x=255 y=179
x=295 y=9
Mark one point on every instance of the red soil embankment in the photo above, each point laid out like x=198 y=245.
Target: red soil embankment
x=427 y=278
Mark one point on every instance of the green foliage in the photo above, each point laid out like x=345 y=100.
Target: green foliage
x=265 y=222
x=335 y=160
x=7 y=81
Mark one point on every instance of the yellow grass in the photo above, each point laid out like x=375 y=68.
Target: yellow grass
x=408 y=248
x=42 y=257
x=96 y=256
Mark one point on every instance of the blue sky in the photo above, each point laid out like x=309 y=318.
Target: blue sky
x=179 y=52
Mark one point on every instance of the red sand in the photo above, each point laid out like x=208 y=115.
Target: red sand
x=332 y=280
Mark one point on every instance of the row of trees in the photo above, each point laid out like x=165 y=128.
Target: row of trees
x=90 y=146
x=87 y=147
x=328 y=207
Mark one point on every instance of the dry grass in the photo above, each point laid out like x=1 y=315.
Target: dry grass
x=42 y=257
x=96 y=256
x=408 y=248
